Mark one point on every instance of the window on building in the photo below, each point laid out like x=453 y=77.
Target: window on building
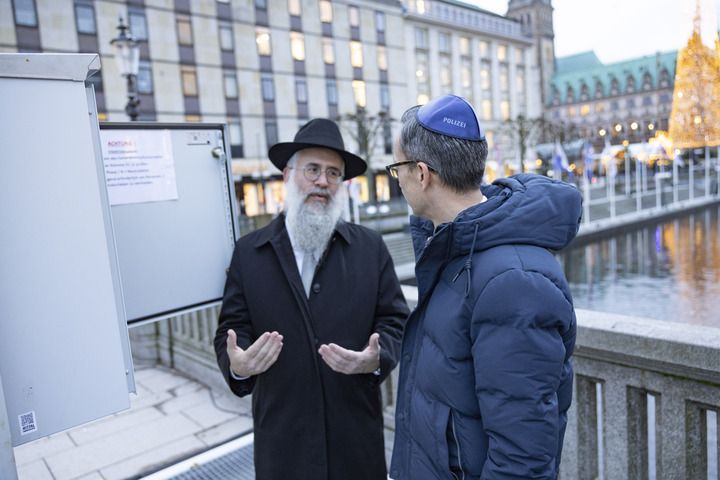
x=359 y=94
x=465 y=46
x=630 y=102
x=268 y=89
x=647 y=100
x=25 y=13
x=585 y=110
x=356 y=54
x=520 y=81
x=145 y=78
x=599 y=89
x=483 y=48
x=614 y=87
x=184 y=30
x=262 y=39
x=421 y=68
x=235 y=131
x=297 y=46
x=502 y=53
x=384 y=97
x=189 y=81
x=519 y=55
x=231 y=85
x=138 y=24
x=630 y=88
x=485 y=76
x=226 y=37
x=354 y=16
x=487 y=109
x=664 y=81
x=85 y=18
x=445 y=73
x=382 y=58
x=421 y=38
x=294 y=7
x=600 y=107
x=301 y=90
x=444 y=42
x=466 y=74
x=380 y=21
x=192 y=118
x=326 y=11
x=331 y=91
x=271 y=133
x=328 y=50
x=422 y=98
x=505 y=110
x=647 y=81
x=504 y=78
x=261 y=4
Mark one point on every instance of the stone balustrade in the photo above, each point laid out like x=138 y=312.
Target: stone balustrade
x=646 y=399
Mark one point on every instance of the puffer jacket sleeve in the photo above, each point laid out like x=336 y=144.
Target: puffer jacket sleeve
x=391 y=312
x=518 y=353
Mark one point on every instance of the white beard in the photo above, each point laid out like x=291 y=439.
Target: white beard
x=312 y=223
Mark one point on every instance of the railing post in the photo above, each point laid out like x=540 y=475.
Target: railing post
x=671 y=433
x=616 y=420
x=707 y=171
x=692 y=174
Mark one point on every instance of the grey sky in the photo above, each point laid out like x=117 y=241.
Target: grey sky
x=623 y=29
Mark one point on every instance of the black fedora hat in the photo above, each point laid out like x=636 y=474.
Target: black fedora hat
x=318 y=133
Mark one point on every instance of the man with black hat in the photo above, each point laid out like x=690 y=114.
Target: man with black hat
x=311 y=322
x=485 y=378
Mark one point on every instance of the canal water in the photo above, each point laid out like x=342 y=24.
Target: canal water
x=667 y=271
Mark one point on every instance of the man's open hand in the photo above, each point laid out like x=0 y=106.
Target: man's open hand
x=257 y=358
x=351 y=362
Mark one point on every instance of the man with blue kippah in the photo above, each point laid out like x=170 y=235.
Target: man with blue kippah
x=485 y=375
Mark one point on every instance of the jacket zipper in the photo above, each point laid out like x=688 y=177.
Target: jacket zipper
x=457 y=442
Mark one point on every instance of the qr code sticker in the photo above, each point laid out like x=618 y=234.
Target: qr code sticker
x=27 y=423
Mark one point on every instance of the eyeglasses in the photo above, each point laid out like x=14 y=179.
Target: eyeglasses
x=392 y=169
x=312 y=172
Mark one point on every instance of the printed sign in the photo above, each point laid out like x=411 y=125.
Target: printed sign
x=139 y=166
x=27 y=422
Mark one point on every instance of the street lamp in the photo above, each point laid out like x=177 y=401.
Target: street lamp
x=127 y=56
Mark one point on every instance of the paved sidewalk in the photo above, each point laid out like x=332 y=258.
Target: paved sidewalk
x=171 y=418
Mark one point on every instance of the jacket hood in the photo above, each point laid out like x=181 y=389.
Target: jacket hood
x=523 y=209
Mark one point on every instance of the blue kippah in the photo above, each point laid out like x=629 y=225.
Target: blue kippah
x=452 y=116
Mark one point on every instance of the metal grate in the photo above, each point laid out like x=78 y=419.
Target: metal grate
x=236 y=465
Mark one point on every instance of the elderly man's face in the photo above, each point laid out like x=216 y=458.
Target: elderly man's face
x=312 y=162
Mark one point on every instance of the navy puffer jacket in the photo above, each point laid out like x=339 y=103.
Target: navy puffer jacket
x=485 y=377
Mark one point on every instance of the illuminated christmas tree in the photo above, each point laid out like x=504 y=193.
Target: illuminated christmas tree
x=695 y=117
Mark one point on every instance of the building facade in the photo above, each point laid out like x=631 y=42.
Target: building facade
x=628 y=100
x=265 y=67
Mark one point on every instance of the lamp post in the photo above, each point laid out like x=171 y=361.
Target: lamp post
x=127 y=56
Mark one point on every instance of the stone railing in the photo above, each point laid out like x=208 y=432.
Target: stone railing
x=646 y=397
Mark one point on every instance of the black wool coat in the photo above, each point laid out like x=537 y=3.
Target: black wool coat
x=309 y=421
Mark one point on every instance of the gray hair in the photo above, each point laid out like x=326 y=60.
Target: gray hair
x=459 y=163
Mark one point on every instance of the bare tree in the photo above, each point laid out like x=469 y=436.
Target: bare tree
x=364 y=129
x=523 y=130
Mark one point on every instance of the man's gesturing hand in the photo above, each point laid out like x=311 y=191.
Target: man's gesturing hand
x=351 y=362
x=257 y=358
